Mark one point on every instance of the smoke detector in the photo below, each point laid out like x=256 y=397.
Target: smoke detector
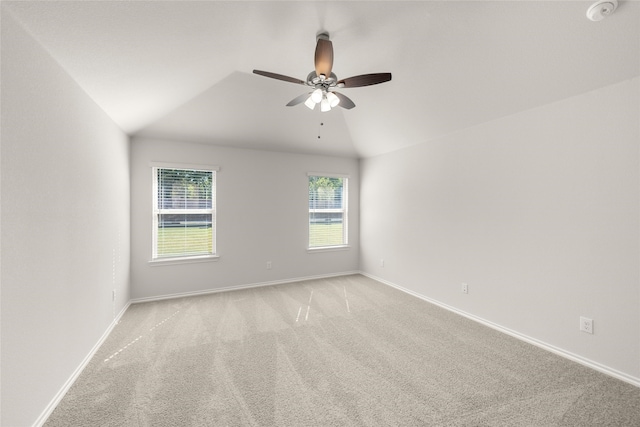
x=601 y=9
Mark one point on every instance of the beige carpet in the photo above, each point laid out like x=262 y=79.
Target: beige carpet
x=346 y=351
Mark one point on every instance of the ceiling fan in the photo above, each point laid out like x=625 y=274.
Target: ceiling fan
x=324 y=83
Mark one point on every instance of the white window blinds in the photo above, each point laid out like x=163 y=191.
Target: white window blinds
x=327 y=211
x=183 y=212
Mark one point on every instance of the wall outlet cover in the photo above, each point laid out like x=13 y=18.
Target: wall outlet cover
x=586 y=325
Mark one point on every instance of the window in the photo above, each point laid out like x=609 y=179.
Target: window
x=327 y=210
x=184 y=212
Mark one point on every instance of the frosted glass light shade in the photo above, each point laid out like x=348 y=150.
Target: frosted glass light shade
x=317 y=95
x=324 y=105
x=333 y=99
x=310 y=103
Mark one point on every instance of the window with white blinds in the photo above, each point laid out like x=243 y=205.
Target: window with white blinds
x=184 y=212
x=327 y=211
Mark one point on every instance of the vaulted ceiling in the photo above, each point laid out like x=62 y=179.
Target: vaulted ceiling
x=183 y=70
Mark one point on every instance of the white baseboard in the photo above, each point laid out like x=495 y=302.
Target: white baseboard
x=67 y=385
x=238 y=287
x=576 y=358
x=556 y=350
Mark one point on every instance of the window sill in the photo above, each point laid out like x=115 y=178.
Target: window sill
x=183 y=260
x=328 y=249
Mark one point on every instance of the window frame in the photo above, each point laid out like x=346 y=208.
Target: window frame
x=345 y=213
x=155 y=211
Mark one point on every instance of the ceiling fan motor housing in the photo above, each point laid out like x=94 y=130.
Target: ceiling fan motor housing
x=322 y=81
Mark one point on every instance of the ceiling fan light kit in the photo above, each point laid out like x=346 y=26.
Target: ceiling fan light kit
x=324 y=82
x=601 y=9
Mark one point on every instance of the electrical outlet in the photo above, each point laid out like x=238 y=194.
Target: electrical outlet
x=268 y=265
x=381 y=262
x=586 y=325
x=465 y=288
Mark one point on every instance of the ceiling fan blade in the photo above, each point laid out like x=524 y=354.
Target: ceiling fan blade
x=365 y=80
x=345 y=102
x=278 y=77
x=298 y=99
x=324 y=57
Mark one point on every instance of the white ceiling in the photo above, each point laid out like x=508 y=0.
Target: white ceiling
x=182 y=70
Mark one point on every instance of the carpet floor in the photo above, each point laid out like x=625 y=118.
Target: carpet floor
x=345 y=351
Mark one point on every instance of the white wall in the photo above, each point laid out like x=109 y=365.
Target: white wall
x=262 y=215
x=538 y=212
x=65 y=225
